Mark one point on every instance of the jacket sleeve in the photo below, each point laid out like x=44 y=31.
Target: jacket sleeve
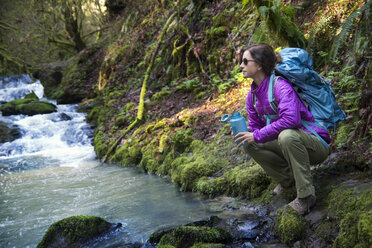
x=255 y=122
x=288 y=110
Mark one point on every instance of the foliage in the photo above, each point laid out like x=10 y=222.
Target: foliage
x=347 y=28
x=347 y=88
x=290 y=226
x=278 y=19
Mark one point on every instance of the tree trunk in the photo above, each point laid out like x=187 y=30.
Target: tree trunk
x=71 y=25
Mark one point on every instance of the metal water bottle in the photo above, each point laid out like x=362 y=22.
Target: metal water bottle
x=237 y=122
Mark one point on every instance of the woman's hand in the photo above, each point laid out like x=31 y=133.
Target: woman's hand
x=244 y=137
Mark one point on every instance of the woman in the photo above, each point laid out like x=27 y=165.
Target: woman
x=284 y=148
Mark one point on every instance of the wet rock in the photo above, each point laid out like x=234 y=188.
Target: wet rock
x=64 y=117
x=50 y=76
x=29 y=105
x=210 y=221
x=315 y=216
x=76 y=231
x=9 y=133
x=290 y=226
x=187 y=236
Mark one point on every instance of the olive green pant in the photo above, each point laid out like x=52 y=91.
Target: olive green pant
x=287 y=159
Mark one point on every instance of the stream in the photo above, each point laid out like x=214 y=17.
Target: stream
x=51 y=172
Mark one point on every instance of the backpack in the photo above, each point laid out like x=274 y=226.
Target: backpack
x=315 y=91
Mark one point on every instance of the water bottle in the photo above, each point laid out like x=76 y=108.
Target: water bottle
x=237 y=122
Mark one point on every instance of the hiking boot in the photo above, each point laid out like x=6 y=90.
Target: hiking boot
x=303 y=205
x=278 y=190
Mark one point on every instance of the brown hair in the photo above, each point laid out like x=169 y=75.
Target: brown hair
x=264 y=55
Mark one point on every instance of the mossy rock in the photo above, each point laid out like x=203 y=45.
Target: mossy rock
x=289 y=225
x=31 y=95
x=27 y=106
x=212 y=187
x=186 y=236
x=8 y=134
x=353 y=210
x=248 y=182
x=208 y=245
x=75 y=231
x=186 y=171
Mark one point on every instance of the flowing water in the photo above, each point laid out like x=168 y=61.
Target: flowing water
x=51 y=173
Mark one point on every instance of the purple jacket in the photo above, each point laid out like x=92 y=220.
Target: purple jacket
x=290 y=110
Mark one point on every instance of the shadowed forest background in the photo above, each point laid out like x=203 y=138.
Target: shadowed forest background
x=155 y=77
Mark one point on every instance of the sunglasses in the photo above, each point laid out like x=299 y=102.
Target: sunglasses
x=245 y=61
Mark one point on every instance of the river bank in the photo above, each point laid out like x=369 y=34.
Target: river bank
x=156 y=83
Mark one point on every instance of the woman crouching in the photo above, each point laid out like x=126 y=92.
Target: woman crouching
x=284 y=148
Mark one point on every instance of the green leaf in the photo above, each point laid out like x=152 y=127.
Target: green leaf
x=245 y=2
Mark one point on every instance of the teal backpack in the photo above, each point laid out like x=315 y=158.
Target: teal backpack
x=314 y=90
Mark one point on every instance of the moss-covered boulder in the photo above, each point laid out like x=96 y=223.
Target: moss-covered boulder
x=352 y=209
x=187 y=236
x=289 y=225
x=75 y=231
x=208 y=245
x=8 y=134
x=29 y=105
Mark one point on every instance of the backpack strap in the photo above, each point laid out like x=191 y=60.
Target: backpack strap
x=307 y=126
x=267 y=116
x=274 y=106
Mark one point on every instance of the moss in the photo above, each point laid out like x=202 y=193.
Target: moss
x=365 y=229
x=163 y=143
x=165 y=246
x=160 y=95
x=324 y=231
x=93 y=115
x=343 y=134
x=216 y=36
x=212 y=187
x=186 y=171
x=121 y=121
x=72 y=230
x=201 y=95
x=247 y=182
x=149 y=162
x=341 y=202
x=181 y=139
x=289 y=225
x=166 y=166
x=187 y=236
x=188 y=119
x=160 y=124
x=128 y=154
x=34 y=108
x=209 y=245
x=31 y=95
x=100 y=144
x=348 y=235
x=353 y=212
x=27 y=106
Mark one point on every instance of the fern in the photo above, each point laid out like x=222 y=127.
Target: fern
x=346 y=29
x=274 y=14
x=323 y=22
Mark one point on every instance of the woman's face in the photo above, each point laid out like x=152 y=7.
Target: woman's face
x=249 y=66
